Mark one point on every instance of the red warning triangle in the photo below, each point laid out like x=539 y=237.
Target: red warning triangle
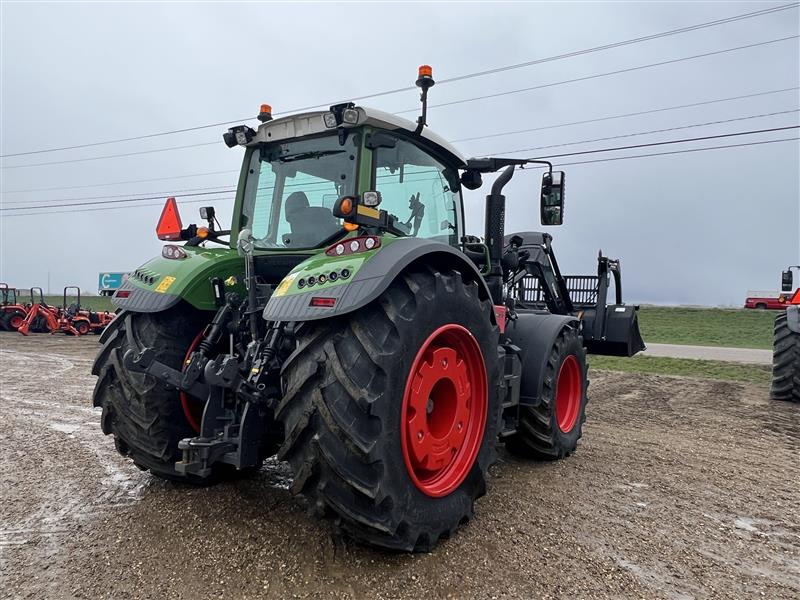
x=169 y=225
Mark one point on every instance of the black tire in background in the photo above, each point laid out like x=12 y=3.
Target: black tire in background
x=552 y=429
x=347 y=395
x=10 y=320
x=785 y=362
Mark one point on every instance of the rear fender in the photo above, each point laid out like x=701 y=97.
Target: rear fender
x=793 y=318
x=161 y=283
x=370 y=273
x=534 y=334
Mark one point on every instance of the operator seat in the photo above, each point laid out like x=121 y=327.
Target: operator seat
x=309 y=224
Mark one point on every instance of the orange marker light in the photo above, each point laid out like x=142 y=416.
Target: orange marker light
x=425 y=71
x=266 y=108
x=346 y=206
x=202 y=232
x=350 y=226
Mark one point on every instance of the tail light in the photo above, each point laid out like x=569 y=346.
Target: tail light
x=354 y=245
x=173 y=252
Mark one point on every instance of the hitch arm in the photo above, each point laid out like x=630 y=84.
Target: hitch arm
x=145 y=362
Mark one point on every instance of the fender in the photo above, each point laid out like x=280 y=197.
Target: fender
x=534 y=334
x=372 y=273
x=793 y=318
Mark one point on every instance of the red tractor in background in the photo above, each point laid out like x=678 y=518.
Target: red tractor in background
x=40 y=317
x=12 y=313
x=73 y=319
x=786 y=344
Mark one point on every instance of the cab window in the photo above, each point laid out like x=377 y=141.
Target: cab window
x=421 y=192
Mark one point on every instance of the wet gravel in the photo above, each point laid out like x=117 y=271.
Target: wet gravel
x=681 y=488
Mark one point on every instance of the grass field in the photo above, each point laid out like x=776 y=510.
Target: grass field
x=737 y=328
x=95 y=303
x=685 y=367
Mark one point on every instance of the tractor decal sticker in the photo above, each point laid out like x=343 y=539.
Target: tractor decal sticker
x=164 y=284
x=284 y=285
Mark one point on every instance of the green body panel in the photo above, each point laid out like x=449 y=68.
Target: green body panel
x=191 y=276
x=321 y=263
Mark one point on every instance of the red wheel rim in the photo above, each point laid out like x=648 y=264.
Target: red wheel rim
x=15 y=321
x=192 y=407
x=444 y=410
x=569 y=392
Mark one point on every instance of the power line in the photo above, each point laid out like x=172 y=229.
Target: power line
x=583 y=162
x=664 y=143
x=451 y=103
x=165 y=193
x=110 y=183
x=106 y=208
x=631 y=114
x=492 y=71
x=626 y=135
x=618 y=148
x=117 y=201
x=540 y=128
x=683 y=151
x=159 y=194
x=606 y=74
x=76 y=160
x=130 y=197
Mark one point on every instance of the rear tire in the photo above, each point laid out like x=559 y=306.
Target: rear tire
x=144 y=416
x=82 y=327
x=551 y=430
x=13 y=319
x=785 y=362
x=347 y=421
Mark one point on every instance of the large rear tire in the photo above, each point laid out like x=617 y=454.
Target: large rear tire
x=391 y=412
x=785 y=362
x=146 y=418
x=552 y=429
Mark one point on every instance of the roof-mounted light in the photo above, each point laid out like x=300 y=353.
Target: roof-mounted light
x=265 y=113
x=240 y=135
x=330 y=120
x=341 y=114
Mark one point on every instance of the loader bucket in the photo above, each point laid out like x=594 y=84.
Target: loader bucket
x=619 y=335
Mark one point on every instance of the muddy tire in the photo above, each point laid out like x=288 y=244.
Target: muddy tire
x=552 y=429
x=82 y=327
x=146 y=418
x=360 y=388
x=785 y=362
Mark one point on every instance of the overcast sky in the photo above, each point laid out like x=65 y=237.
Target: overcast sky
x=691 y=228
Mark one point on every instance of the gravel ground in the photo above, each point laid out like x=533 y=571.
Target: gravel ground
x=681 y=488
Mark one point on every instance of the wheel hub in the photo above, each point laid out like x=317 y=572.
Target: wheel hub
x=444 y=410
x=569 y=393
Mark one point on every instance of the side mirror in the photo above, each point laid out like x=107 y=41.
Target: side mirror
x=786 y=281
x=552 y=201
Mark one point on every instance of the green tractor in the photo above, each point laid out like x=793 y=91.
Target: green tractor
x=349 y=324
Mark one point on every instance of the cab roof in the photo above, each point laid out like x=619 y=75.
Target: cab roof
x=310 y=123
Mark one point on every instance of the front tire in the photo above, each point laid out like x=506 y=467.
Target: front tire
x=551 y=429
x=785 y=362
x=419 y=365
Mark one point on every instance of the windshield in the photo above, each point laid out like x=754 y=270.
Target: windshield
x=291 y=189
